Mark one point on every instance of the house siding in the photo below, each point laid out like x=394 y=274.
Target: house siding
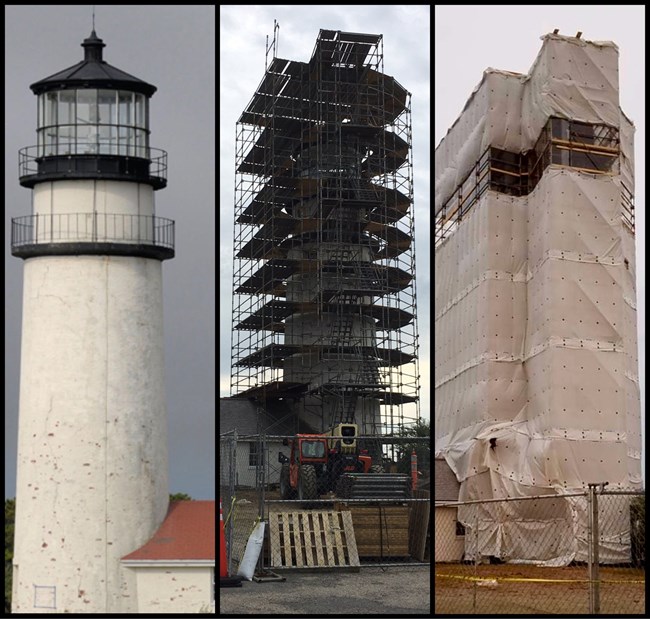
x=449 y=546
x=182 y=589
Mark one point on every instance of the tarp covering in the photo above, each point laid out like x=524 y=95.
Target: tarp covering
x=571 y=78
x=535 y=316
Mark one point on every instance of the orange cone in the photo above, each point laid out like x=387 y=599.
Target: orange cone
x=414 y=470
x=224 y=579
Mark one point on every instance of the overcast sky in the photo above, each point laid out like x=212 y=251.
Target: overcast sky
x=407 y=35
x=172 y=47
x=508 y=37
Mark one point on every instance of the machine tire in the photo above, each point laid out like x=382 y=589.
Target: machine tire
x=286 y=491
x=307 y=483
x=376 y=468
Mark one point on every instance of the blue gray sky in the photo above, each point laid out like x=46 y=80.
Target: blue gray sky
x=172 y=47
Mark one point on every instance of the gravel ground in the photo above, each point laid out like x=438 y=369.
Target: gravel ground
x=373 y=590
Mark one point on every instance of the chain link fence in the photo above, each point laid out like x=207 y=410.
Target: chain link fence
x=580 y=553
x=328 y=518
x=227 y=468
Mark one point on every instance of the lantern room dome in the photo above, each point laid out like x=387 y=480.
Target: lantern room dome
x=93 y=72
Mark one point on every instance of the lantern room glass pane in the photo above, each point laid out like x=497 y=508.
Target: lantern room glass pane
x=67 y=139
x=108 y=139
x=41 y=110
x=86 y=107
x=39 y=118
x=126 y=141
x=121 y=141
x=48 y=131
x=50 y=143
x=141 y=144
x=107 y=107
x=83 y=140
x=50 y=109
x=66 y=107
x=140 y=118
x=126 y=111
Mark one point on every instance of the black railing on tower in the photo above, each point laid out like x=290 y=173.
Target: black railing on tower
x=139 y=164
x=92 y=228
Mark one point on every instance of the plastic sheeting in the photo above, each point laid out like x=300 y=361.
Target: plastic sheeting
x=535 y=314
x=571 y=78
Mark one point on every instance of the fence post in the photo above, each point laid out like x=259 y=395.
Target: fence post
x=233 y=473
x=475 y=587
x=596 y=564
x=594 y=548
x=261 y=460
x=590 y=547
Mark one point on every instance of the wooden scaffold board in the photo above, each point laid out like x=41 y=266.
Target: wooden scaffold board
x=419 y=525
x=313 y=540
x=380 y=530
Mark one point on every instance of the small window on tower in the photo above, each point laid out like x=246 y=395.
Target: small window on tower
x=44 y=596
x=460 y=529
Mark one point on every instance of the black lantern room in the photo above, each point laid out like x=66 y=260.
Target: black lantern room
x=93 y=122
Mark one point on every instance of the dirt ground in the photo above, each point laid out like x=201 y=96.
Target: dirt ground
x=372 y=590
x=509 y=589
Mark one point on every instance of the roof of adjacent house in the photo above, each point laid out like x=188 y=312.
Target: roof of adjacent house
x=237 y=414
x=187 y=533
x=244 y=415
x=446 y=486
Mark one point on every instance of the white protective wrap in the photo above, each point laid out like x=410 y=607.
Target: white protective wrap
x=535 y=318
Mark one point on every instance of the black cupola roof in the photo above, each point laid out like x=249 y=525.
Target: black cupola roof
x=92 y=72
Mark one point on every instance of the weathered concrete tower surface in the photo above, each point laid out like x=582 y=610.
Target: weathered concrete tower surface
x=92 y=446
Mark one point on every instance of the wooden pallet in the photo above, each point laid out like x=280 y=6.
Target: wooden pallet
x=312 y=540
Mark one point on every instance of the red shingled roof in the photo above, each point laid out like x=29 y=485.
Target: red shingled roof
x=188 y=532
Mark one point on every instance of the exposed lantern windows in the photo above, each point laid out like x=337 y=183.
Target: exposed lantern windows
x=585 y=147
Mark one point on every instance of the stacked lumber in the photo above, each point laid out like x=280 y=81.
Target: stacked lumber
x=380 y=530
x=373 y=486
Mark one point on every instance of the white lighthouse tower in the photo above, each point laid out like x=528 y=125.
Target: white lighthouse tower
x=92 y=446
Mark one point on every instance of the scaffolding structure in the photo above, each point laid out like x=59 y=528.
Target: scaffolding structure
x=324 y=298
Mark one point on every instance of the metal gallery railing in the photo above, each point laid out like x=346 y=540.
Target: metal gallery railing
x=92 y=227
x=32 y=158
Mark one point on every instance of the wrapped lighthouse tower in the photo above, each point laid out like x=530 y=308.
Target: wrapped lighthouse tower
x=92 y=446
